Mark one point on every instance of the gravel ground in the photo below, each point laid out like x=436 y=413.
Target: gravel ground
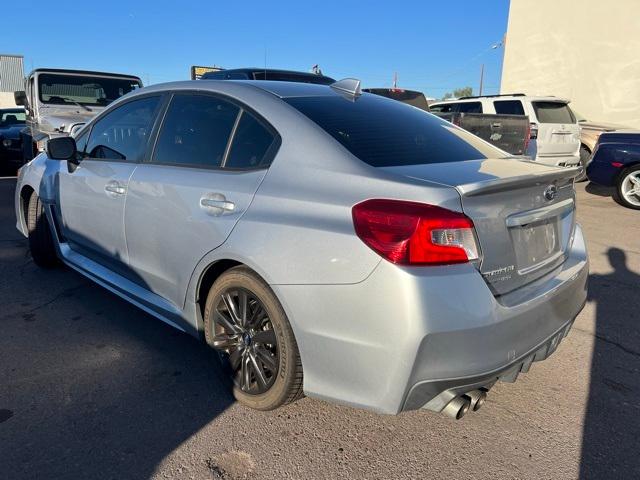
x=92 y=387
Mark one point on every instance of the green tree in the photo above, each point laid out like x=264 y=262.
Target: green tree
x=459 y=92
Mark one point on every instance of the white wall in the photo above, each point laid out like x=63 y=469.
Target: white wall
x=584 y=50
x=6 y=100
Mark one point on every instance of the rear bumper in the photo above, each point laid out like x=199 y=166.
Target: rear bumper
x=559 y=161
x=407 y=338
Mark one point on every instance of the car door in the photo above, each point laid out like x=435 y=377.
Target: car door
x=209 y=159
x=92 y=195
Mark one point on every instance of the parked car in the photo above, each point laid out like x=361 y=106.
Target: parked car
x=321 y=239
x=410 y=97
x=12 y=121
x=590 y=131
x=58 y=102
x=616 y=163
x=268 y=74
x=555 y=132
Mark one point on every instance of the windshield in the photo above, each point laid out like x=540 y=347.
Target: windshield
x=12 y=117
x=386 y=133
x=58 y=89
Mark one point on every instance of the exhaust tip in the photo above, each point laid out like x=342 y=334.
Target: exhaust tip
x=477 y=399
x=457 y=408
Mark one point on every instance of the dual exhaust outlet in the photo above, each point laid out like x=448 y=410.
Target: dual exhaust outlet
x=459 y=406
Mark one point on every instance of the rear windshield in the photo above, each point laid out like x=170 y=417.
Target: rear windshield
x=553 y=112
x=386 y=133
x=410 y=97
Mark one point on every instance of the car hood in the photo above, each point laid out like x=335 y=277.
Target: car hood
x=11 y=131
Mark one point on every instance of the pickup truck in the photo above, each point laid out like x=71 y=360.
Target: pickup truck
x=58 y=102
x=507 y=132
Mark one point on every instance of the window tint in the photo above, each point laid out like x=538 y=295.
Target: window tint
x=123 y=133
x=508 y=107
x=88 y=90
x=553 y=112
x=250 y=144
x=195 y=131
x=468 y=107
x=383 y=133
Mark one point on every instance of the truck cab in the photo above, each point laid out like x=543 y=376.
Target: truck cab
x=58 y=102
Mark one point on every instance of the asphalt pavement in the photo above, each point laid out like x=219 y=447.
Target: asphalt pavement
x=92 y=388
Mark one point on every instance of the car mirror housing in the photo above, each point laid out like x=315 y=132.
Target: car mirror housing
x=61 y=148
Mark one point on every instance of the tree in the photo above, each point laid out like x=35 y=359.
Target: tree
x=459 y=92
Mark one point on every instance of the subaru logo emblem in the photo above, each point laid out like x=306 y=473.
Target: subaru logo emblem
x=550 y=192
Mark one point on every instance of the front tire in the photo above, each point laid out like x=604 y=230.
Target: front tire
x=246 y=325
x=41 y=243
x=627 y=191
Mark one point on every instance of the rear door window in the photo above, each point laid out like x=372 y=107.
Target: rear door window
x=443 y=108
x=123 y=133
x=195 y=131
x=508 y=107
x=553 y=112
x=383 y=133
x=468 y=107
x=251 y=144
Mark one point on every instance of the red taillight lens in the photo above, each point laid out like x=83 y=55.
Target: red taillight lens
x=411 y=233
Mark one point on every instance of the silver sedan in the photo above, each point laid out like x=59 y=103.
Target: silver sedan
x=323 y=240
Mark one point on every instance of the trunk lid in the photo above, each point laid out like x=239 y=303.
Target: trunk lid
x=523 y=212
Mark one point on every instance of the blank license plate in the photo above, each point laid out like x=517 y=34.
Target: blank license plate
x=536 y=242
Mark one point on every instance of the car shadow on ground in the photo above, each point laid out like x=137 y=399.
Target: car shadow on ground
x=93 y=387
x=612 y=422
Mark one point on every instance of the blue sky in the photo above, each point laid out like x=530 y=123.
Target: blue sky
x=433 y=46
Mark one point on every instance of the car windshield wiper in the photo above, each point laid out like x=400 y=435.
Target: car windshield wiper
x=66 y=99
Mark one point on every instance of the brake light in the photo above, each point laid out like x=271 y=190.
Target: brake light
x=411 y=233
x=527 y=138
x=533 y=131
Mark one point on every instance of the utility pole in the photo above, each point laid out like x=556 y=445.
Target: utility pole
x=395 y=80
x=481 y=77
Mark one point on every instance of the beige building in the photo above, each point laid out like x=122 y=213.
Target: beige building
x=584 y=50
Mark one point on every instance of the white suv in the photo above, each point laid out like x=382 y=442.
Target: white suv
x=555 y=132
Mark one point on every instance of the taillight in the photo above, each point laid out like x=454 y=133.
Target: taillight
x=527 y=139
x=533 y=131
x=411 y=233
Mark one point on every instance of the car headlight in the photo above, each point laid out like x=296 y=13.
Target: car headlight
x=6 y=142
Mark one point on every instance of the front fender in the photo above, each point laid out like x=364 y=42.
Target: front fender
x=41 y=176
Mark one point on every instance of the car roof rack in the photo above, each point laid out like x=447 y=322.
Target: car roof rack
x=491 y=96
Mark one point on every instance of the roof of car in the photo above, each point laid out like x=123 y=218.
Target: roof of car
x=268 y=71
x=546 y=98
x=82 y=72
x=279 y=89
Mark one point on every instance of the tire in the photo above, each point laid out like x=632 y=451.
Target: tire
x=41 y=243
x=275 y=372
x=621 y=193
x=584 y=158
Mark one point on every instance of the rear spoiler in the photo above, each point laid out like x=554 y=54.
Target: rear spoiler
x=501 y=185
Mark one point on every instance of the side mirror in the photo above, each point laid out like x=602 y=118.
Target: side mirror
x=61 y=148
x=20 y=97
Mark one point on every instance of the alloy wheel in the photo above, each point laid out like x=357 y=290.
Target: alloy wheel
x=630 y=188
x=243 y=333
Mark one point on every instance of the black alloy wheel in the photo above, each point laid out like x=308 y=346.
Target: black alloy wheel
x=244 y=335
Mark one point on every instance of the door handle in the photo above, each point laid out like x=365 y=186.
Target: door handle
x=115 y=188
x=216 y=204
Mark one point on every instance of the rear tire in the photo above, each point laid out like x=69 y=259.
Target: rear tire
x=41 y=243
x=628 y=182
x=584 y=159
x=253 y=336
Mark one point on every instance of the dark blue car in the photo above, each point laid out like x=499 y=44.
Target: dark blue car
x=12 y=121
x=616 y=163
